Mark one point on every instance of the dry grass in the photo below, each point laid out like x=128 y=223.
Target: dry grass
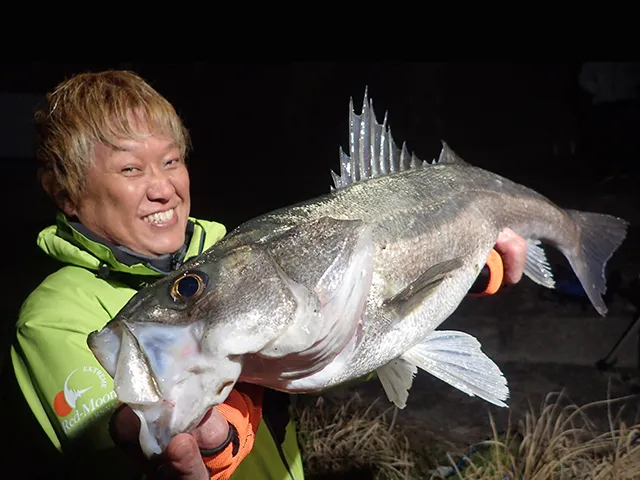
x=561 y=442
x=356 y=440
x=352 y=440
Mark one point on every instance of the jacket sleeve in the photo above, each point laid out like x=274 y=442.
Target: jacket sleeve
x=68 y=391
x=64 y=384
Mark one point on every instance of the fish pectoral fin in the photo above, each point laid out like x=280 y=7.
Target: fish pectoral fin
x=396 y=378
x=456 y=358
x=537 y=266
x=420 y=289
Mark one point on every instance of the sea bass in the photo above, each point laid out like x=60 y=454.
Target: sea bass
x=331 y=289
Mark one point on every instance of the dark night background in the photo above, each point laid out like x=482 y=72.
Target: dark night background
x=267 y=135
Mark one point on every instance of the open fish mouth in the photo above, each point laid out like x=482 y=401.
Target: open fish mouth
x=160 y=371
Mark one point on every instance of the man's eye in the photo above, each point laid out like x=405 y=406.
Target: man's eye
x=130 y=170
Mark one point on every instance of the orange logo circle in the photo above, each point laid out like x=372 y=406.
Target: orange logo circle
x=60 y=405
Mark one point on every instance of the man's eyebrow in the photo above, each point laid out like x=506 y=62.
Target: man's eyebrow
x=122 y=148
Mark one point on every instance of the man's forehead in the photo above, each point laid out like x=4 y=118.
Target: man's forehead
x=139 y=132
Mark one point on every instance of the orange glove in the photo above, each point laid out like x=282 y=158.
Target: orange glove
x=490 y=278
x=243 y=411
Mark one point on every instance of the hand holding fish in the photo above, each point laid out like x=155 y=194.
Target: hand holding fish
x=217 y=445
x=182 y=459
x=183 y=456
x=513 y=251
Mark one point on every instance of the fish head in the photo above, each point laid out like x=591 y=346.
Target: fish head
x=177 y=347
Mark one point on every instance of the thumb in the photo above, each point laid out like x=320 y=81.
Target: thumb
x=213 y=430
x=183 y=460
x=183 y=457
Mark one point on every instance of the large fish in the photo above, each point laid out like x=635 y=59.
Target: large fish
x=328 y=290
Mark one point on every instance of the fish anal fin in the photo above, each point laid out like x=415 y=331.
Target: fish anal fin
x=457 y=359
x=414 y=294
x=396 y=378
x=537 y=266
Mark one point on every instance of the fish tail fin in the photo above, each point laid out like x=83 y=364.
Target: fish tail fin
x=600 y=236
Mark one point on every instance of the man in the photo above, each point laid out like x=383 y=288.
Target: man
x=112 y=156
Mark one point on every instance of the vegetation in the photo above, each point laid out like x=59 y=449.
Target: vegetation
x=357 y=440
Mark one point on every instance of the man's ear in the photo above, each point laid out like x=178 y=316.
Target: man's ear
x=57 y=194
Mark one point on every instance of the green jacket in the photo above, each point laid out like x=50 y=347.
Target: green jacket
x=68 y=391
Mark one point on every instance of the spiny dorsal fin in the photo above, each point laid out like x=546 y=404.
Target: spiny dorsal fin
x=449 y=157
x=373 y=152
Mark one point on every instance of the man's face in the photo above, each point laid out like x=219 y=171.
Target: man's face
x=137 y=196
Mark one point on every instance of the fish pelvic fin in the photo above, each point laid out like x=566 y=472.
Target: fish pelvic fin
x=396 y=378
x=374 y=153
x=414 y=294
x=455 y=358
x=600 y=236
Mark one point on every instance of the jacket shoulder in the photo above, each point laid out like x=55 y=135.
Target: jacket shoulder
x=75 y=293
x=213 y=231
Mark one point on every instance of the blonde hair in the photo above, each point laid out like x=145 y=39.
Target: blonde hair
x=97 y=108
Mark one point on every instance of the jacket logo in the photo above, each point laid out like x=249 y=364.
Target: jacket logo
x=85 y=391
x=65 y=401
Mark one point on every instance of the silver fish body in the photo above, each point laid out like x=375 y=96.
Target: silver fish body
x=328 y=290
x=415 y=219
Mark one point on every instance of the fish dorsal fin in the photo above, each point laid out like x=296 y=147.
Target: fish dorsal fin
x=374 y=153
x=449 y=157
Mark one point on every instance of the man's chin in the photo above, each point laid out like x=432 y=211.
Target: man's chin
x=162 y=241
x=158 y=246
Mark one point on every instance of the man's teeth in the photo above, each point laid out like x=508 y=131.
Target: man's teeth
x=160 y=217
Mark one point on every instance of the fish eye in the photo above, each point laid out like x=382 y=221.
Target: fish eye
x=189 y=285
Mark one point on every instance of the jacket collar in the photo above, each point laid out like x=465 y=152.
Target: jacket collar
x=163 y=264
x=71 y=242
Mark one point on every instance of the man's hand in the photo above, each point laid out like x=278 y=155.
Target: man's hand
x=513 y=251
x=182 y=459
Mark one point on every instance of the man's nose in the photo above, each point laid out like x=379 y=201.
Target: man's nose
x=161 y=187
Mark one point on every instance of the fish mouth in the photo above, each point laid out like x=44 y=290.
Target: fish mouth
x=164 y=375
